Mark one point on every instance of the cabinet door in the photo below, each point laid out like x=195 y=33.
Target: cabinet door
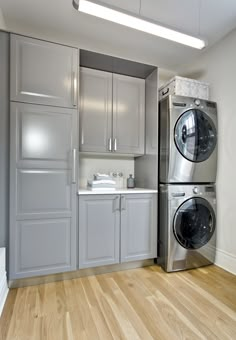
x=138 y=227
x=99 y=230
x=43 y=72
x=42 y=190
x=95 y=110
x=4 y=138
x=128 y=114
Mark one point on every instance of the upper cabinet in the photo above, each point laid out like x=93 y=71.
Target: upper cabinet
x=128 y=114
x=43 y=72
x=112 y=112
x=95 y=110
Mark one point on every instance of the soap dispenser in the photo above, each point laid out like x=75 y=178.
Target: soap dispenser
x=130 y=182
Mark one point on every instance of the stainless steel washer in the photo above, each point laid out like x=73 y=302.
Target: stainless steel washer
x=188 y=140
x=187 y=226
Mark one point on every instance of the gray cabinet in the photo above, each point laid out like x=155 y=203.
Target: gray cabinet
x=99 y=230
x=95 y=110
x=43 y=72
x=138 y=227
x=42 y=190
x=114 y=228
x=128 y=114
x=4 y=137
x=112 y=112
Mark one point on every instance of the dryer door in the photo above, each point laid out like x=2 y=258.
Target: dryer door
x=195 y=135
x=194 y=223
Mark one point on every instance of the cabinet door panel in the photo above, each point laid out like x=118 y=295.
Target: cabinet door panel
x=95 y=110
x=138 y=227
x=44 y=134
x=99 y=229
x=128 y=114
x=43 y=72
x=4 y=138
x=43 y=191
x=43 y=246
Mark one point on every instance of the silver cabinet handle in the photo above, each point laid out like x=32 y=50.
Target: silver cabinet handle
x=74 y=89
x=110 y=144
x=115 y=144
x=74 y=166
x=117 y=203
x=123 y=203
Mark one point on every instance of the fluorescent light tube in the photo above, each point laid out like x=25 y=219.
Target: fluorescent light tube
x=138 y=23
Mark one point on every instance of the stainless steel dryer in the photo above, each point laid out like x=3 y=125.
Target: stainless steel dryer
x=188 y=140
x=187 y=226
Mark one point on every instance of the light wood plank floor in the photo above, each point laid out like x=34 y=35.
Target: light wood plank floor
x=143 y=303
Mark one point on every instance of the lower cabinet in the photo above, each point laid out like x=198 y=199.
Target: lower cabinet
x=117 y=228
x=138 y=227
x=99 y=230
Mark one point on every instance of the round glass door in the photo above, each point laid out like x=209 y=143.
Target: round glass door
x=194 y=223
x=195 y=135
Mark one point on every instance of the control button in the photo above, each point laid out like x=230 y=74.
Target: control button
x=195 y=190
x=197 y=102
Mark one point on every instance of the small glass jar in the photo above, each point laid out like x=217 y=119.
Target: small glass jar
x=130 y=182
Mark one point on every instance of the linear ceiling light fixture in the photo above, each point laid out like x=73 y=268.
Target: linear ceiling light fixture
x=124 y=18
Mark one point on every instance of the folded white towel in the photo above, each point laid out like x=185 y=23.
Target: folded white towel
x=99 y=176
x=101 y=189
x=102 y=181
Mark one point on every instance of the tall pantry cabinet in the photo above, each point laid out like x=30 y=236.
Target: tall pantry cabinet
x=43 y=157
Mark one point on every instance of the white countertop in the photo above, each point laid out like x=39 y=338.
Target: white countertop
x=84 y=191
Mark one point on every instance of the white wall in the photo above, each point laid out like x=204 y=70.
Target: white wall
x=89 y=165
x=3 y=279
x=2 y=21
x=218 y=67
x=164 y=76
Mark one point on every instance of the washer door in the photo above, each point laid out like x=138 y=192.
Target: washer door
x=194 y=223
x=195 y=135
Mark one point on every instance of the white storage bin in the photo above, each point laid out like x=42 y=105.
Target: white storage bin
x=185 y=87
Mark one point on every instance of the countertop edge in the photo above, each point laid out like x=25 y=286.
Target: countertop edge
x=84 y=191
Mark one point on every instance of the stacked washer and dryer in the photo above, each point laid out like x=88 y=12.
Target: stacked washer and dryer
x=187 y=174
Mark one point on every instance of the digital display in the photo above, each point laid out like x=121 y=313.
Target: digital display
x=211 y=104
x=209 y=189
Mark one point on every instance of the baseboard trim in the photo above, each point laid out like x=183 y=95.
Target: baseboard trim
x=32 y=281
x=226 y=261
x=3 y=292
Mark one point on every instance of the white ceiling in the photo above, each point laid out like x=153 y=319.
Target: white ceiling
x=47 y=18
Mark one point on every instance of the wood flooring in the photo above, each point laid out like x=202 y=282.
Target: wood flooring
x=143 y=303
